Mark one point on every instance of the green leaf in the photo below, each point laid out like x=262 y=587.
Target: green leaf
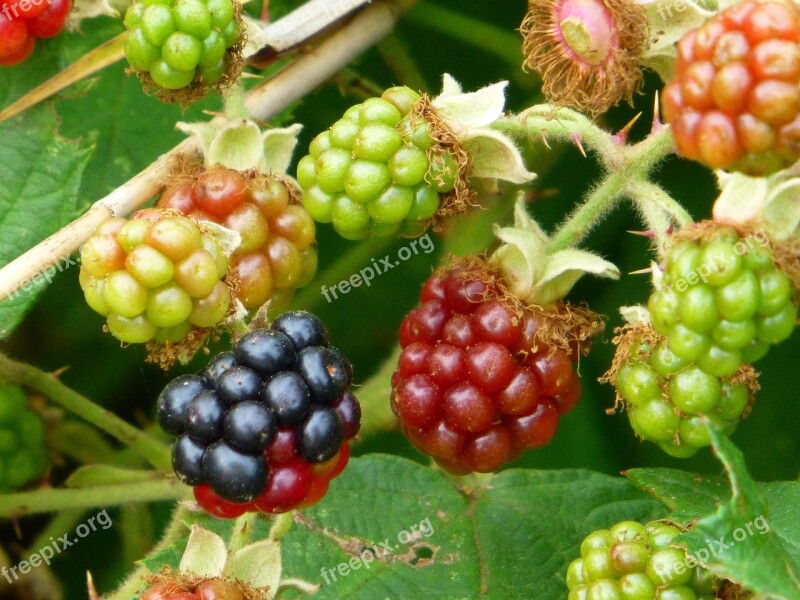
x=42 y=173
x=752 y=538
x=392 y=528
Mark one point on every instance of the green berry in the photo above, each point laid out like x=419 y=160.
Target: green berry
x=655 y=420
x=443 y=172
x=139 y=52
x=393 y=205
x=348 y=216
x=408 y=166
x=211 y=75
x=365 y=180
x=719 y=362
x=192 y=17
x=378 y=110
x=137 y=330
x=740 y=298
x=668 y=567
x=343 y=134
x=376 y=142
x=697 y=308
x=221 y=13
x=124 y=295
x=212 y=49
x=638 y=383
x=331 y=169
x=231 y=33
x=318 y=204
x=686 y=343
x=150 y=267
x=157 y=24
x=168 y=78
x=734 y=335
x=694 y=391
x=776 y=328
x=168 y=306
x=307 y=172
x=402 y=97
x=426 y=203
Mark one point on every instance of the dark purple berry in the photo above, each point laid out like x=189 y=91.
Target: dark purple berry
x=250 y=427
x=288 y=396
x=321 y=435
x=233 y=476
x=204 y=416
x=303 y=328
x=173 y=400
x=326 y=372
x=187 y=457
x=266 y=352
x=221 y=363
x=349 y=411
x=238 y=384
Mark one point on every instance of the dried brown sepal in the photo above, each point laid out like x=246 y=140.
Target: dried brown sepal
x=561 y=326
x=728 y=590
x=635 y=343
x=569 y=81
x=167 y=582
x=445 y=141
x=197 y=90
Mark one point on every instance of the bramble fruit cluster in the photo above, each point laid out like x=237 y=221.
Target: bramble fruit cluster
x=154 y=277
x=265 y=426
x=668 y=398
x=377 y=171
x=722 y=301
x=734 y=101
x=178 y=42
x=277 y=254
x=630 y=560
x=23 y=454
x=468 y=390
x=185 y=589
x=21 y=22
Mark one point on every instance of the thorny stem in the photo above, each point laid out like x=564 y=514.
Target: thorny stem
x=156 y=453
x=627 y=170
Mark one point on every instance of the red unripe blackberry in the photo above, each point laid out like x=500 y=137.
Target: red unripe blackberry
x=475 y=386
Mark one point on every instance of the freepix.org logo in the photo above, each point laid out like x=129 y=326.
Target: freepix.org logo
x=19 y=9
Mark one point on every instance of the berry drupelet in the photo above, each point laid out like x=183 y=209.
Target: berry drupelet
x=264 y=427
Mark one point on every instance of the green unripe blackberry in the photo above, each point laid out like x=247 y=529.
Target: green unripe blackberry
x=669 y=399
x=177 y=44
x=23 y=454
x=376 y=171
x=155 y=276
x=722 y=301
x=633 y=562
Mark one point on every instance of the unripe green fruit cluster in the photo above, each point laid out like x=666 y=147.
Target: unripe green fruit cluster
x=23 y=454
x=179 y=41
x=154 y=277
x=371 y=173
x=668 y=398
x=722 y=301
x=630 y=561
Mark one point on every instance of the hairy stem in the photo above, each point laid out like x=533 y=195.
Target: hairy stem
x=597 y=204
x=156 y=453
x=242 y=530
x=52 y=500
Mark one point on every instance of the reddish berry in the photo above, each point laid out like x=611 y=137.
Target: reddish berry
x=287 y=486
x=276 y=254
x=469 y=389
x=215 y=505
x=734 y=101
x=50 y=22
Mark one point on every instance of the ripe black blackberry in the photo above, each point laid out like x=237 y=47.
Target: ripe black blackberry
x=264 y=426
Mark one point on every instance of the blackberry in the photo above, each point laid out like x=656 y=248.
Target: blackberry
x=264 y=427
x=377 y=171
x=474 y=388
x=277 y=253
x=722 y=299
x=667 y=397
x=630 y=560
x=182 y=43
x=155 y=277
